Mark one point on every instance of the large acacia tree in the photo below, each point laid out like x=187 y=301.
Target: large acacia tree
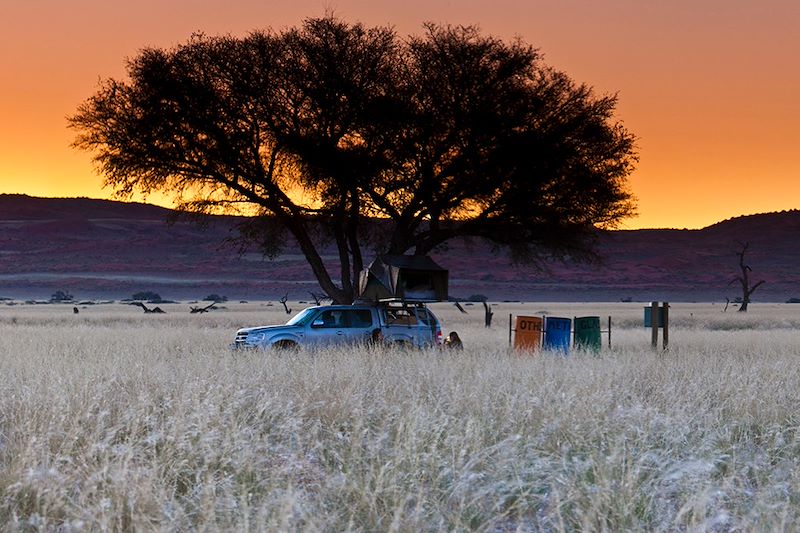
x=334 y=132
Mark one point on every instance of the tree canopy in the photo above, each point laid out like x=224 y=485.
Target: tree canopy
x=320 y=130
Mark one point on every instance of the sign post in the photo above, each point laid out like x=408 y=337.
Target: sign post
x=654 y=324
x=657 y=316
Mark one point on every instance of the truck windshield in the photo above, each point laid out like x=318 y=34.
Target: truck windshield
x=424 y=316
x=302 y=318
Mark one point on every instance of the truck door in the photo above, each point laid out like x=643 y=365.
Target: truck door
x=328 y=328
x=360 y=323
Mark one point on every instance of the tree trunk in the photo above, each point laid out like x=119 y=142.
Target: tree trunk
x=745 y=301
x=744 y=279
x=488 y=314
x=306 y=245
x=344 y=257
x=351 y=231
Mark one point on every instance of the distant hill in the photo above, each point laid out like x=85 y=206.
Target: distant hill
x=23 y=207
x=107 y=249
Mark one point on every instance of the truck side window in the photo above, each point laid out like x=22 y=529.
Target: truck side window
x=359 y=318
x=423 y=316
x=329 y=319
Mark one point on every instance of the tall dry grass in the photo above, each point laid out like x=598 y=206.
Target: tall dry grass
x=112 y=419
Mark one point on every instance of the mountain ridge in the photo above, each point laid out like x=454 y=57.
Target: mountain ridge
x=107 y=248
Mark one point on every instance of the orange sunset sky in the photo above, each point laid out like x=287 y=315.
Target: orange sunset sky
x=710 y=87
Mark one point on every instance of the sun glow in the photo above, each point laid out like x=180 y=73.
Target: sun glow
x=705 y=87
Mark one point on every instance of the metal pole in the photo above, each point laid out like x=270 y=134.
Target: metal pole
x=574 y=331
x=544 y=331
x=609 y=332
x=665 y=315
x=654 y=325
x=509 y=329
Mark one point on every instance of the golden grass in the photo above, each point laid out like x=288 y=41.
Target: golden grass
x=112 y=419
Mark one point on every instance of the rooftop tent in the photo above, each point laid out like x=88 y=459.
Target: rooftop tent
x=403 y=277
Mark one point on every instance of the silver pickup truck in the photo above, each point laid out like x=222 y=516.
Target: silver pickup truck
x=396 y=323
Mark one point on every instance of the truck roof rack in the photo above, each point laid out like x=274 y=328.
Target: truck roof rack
x=396 y=300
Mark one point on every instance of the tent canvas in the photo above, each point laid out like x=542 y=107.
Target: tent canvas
x=403 y=277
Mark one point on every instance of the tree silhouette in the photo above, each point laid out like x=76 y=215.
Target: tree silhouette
x=150 y=296
x=61 y=296
x=744 y=279
x=317 y=131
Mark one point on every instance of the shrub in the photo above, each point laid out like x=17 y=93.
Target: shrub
x=150 y=296
x=61 y=296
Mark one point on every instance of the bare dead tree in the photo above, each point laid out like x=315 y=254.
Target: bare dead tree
x=460 y=308
x=488 y=314
x=155 y=310
x=283 y=301
x=744 y=279
x=205 y=309
x=318 y=298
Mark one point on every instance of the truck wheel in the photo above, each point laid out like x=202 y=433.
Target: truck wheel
x=285 y=346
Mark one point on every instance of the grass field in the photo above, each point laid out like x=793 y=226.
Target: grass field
x=112 y=419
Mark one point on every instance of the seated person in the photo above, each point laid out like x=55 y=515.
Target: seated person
x=453 y=341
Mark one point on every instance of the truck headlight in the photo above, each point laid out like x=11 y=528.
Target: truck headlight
x=255 y=338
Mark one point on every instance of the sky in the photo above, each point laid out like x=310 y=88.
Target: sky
x=710 y=88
